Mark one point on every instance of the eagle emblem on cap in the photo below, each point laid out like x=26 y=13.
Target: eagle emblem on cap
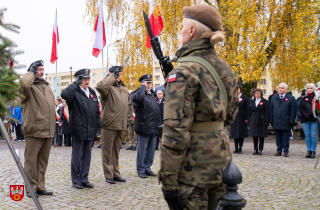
x=148 y=76
x=87 y=71
x=42 y=63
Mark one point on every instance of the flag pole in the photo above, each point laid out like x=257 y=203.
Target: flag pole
x=57 y=78
x=102 y=64
x=153 y=72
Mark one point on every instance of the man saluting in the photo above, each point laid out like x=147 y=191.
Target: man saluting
x=38 y=126
x=84 y=119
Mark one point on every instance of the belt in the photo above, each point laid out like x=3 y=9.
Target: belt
x=207 y=126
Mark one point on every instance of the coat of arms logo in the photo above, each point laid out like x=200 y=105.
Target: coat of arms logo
x=16 y=192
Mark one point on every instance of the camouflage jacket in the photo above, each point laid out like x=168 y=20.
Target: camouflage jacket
x=196 y=158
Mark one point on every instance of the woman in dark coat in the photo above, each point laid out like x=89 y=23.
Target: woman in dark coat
x=258 y=121
x=239 y=129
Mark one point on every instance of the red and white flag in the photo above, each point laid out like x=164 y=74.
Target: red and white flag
x=100 y=40
x=55 y=41
x=155 y=21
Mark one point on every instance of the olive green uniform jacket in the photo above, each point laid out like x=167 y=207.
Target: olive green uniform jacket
x=38 y=108
x=116 y=111
x=196 y=158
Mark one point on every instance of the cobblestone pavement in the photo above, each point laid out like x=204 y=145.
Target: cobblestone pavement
x=269 y=182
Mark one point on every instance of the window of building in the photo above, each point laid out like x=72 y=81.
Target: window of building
x=158 y=77
x=158 y=70
x=94 y=81
x=263 y=81
x=65 y=77
x=94 y=75
x=49 y=78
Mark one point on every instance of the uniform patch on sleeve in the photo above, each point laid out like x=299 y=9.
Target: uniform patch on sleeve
x=172 y=78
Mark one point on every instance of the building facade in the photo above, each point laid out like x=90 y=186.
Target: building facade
x=63 y=79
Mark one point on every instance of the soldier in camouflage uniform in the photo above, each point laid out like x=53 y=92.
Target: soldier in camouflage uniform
x=196 y=147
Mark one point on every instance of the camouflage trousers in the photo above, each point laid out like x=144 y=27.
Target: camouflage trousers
x=200 y=198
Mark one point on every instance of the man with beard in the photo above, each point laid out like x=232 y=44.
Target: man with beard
x=38 y=126
x=84 y=119
x=116 y=113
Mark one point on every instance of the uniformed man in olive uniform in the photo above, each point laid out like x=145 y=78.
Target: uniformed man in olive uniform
x=200 y=101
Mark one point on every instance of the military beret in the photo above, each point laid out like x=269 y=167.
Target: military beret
x=113 y=68
x=145 y=78
x=35 y=65
x=205 y=14
x=83 y=73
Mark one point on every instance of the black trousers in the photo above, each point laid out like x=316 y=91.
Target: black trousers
x=67 y=139
x=80 y=160
x=238 y=143
x=57 y=135
x=19 y=134
x=255 y=143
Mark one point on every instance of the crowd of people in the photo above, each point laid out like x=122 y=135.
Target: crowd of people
x=282 y=111
x=202 y=98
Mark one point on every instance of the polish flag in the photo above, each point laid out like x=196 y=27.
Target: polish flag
x=100 y=40
x=155 y=21
x=55 y=41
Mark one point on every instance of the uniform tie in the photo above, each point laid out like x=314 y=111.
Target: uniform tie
x=281 y=97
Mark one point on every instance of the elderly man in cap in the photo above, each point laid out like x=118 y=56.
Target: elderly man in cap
x=116 y=113
x=84 y=120
x=38 y=126
x=146 y=108
x=201 y=99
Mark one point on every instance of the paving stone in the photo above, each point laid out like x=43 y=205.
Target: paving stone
x=269 y=182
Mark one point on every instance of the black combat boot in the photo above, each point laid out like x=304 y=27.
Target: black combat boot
x=308 y=154
x=260 y=152
x=313 y=154
x=240 y=150
x=255 y=152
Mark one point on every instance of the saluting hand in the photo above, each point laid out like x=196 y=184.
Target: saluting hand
x=79 y=80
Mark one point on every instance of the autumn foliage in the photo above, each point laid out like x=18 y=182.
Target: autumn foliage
x=282 y=35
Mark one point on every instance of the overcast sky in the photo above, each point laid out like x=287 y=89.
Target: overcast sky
x=36 y=17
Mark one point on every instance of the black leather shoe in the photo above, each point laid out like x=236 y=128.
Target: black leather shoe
x=308 y=154
x=142 y=176
x=277 y=154
x=45 y=192
x=313 y=154
x=260 y=152
x=255 y=152
x=134 y=148
x=87 y=185
x=119 y=179
x=78 y=186
x=110 y=181
x=29 y=194
x=240 y=150
x=129 y=148
x=286 y=155
x=150 y=174
x=100 y=146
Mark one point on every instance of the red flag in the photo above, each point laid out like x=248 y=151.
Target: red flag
x=100 y=40
x=155 y=21
x=55 y=41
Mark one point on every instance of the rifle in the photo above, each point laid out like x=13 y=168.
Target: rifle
x=164 y=61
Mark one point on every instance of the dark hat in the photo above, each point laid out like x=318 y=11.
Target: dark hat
x=275 y=92
x=83 y=73
x=113 y=68
x=35 y=65
x=303 y=94
x=145 y=78
x=205 y=14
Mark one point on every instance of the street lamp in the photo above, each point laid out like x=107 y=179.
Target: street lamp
x=108 y=55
